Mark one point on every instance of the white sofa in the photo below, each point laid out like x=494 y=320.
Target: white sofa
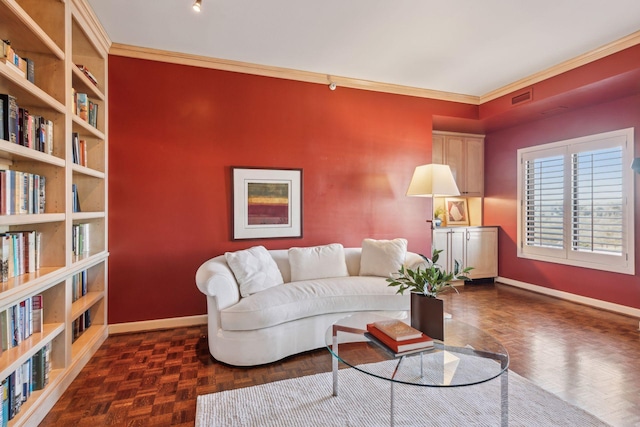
x=292 y=317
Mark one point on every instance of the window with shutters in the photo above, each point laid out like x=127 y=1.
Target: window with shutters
x=575 y=202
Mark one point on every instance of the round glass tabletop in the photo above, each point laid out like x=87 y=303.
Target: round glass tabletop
x=467 y=356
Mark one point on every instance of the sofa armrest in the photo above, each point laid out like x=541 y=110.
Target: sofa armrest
x=413 y=259
x=214 y=278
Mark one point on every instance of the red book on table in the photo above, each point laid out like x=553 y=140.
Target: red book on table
x=400 y=346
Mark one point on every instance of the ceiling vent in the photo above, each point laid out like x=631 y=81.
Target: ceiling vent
x=523 y=97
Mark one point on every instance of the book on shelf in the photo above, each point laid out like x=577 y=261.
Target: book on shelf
x=80 y=239
x=19 y=321
x=37 y=314
x=37 y=376
x=17 y=387
x=16 y=63
x=85 y=108
x=82 y=151
x=43 y=141
x=22 y=193
x=78 y=149
x=75 y=148
x=397 y=330
x=88 y=74
x=27 y=374
x=93 y=114
x=5 y=328
x=81 y=324
x=23 y=116
x=14 y=399
x=41 y=367
x=5 y=256
x=17 y=240
x=84 y=282
x=19 y=126
x=75 y=199
x=23 y=320
x=5 y=401
x=82 y=106
x=31 y=70
x=30 y=251
x=79 y=285
x=424 y=342
x=20 y=253
x=77 y=328
x=9 y=118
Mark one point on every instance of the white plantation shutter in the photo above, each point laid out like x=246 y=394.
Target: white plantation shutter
x=573 y=202
x=544 y=202
x=597 y=202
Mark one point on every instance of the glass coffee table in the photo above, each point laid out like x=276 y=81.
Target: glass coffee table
x=466 y=357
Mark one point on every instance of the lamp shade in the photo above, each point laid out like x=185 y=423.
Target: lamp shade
x=433 y=181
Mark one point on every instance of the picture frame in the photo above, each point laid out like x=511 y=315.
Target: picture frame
x=457 y=211
x=267 y=203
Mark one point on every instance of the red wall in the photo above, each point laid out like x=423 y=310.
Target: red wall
x=500 y=202
x=174 y=133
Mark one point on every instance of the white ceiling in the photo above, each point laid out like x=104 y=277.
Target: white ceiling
x=469 y=47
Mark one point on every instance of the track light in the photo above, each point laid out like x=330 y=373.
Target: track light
x=332 y=86
x=196 y=5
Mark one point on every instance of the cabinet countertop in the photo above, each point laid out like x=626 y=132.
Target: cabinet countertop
x=453 y=227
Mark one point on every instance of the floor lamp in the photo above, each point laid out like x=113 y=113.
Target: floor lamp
x=432 y=181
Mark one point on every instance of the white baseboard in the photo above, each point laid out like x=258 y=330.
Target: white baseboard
x=149 y=325
x=609 y=306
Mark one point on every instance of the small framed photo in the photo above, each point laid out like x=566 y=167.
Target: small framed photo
x=267 y=203
x=457 y=211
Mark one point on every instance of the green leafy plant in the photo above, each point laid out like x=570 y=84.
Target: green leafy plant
x=429 y=280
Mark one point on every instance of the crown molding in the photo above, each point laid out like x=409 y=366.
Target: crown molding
x=99 y=36
x=599 y=53
x=310 y=77
x=283 y=73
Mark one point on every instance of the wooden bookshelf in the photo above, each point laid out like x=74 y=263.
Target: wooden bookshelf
x=57 y=36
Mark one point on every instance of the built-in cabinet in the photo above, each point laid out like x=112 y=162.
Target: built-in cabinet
x=464 y=153
x=68 y=275
x=475 y=247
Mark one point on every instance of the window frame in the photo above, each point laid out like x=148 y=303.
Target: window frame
x=624 y=263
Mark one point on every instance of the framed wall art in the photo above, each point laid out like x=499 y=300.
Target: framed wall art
x=457 y=211
x=267 y=203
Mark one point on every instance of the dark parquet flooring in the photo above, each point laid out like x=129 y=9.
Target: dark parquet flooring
x=586 y=356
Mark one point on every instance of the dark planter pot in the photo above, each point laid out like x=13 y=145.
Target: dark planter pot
x=427 y=315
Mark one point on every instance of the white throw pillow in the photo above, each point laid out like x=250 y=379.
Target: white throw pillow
x=382 y=257
x=317 y=262
x=255 y=270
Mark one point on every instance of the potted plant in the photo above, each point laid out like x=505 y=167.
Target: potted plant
x=425 y=283
x=438 y=216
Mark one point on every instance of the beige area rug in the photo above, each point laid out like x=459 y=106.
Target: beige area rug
x=364 y=400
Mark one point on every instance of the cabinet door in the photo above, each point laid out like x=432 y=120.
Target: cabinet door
x=465 y=156
x=452 y=244
x=482 y=252
x=456 y=248
x=454 y=157
x=474 y=167
x=437 y=150
x=441 y=242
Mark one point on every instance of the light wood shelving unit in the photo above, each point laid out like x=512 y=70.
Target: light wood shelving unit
x=57 y=35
